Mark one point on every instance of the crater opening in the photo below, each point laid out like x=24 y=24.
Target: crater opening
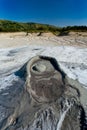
x=39 y=68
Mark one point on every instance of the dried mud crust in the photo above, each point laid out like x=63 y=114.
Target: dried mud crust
x=46 y=82
x=42 y=99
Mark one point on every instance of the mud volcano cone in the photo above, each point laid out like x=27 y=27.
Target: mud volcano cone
x=43 y=99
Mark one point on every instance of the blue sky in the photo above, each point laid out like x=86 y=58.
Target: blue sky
x=56 y=12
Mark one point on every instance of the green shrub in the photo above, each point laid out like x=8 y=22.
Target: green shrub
x=10 y=26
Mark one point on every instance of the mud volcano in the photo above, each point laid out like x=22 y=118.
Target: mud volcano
x=42 y=99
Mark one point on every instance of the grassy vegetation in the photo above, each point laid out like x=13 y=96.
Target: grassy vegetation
x=10 y=26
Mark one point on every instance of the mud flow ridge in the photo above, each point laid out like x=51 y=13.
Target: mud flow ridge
x=42 y=99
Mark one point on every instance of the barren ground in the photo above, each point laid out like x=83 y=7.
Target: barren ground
x=20 y=39
x=70 y=52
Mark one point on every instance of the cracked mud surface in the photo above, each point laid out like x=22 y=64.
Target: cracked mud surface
x=41 y=99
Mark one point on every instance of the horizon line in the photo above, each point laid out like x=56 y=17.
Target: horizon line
x=40 y=23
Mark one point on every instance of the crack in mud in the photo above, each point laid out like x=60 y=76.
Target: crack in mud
x=41 y=99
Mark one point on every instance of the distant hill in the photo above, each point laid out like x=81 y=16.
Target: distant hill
x=11 y=26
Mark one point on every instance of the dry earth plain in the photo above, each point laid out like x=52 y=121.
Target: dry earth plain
x=17 y=48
